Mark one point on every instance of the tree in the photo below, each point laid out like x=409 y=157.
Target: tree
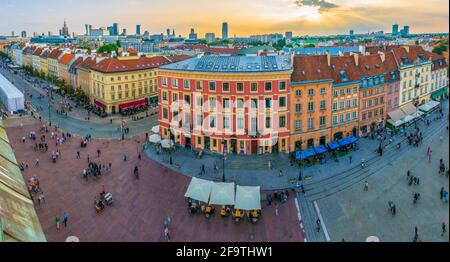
x=280 y=44
x=109 y=48
x=309 y=45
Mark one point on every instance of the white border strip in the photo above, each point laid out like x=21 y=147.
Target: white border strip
x=325 y=231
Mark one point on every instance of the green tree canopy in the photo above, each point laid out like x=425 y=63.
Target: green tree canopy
x=109 y=48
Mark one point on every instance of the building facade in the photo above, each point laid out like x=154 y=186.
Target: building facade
x=310 y=109
x=226 y=104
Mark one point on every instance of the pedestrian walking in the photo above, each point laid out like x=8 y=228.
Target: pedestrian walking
x=276 y=209
x=78 y=154
x=269 y=199
x=65 y=218
x=442 y=193
x=362 y=163
x=281 y=173
x=88 y=158
x=269 y=164
x=170 y=160
x=444 y=230
x=416 y=234
x=57 y=220
x=408 y=173
x=350 y=157
x=139 y=156
x=42 y=197
x=110 y=165
x=203 y=171
x=125 y=157
x=300 y=178
x=37 y=162
x=366 y=186
x=166 y=234
x=318 y=225
x=98 y=152
x=418 y=180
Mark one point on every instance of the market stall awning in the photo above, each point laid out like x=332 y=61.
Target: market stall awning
x=166 y=143
x=395 y=123
x=155 y=138
x=429 y=106
x=397 y=114
x=133 y=104
x=352 y=139
x=155 y=129
x=333 y=145
x=309 y=152
x=408 y=118
x=347 y=141
x=320 y=149
x=199 y=189
x=408 y=109
x=436 y=94
x=248 y=198
x=222 y=194
x=418 y=114
x=99 y=104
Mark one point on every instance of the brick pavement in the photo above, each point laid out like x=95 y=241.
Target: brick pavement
x=140 y=205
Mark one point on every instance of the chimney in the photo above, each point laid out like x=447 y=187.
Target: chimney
x=292 y=60
x=356 y=57
x=382 y=56
x=406 y=48
x=328 y=58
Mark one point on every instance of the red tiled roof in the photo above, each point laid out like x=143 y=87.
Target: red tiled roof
x=55 y=54
x=110 y=65
x=38 y=51
x=311 y=68
x=77 y=62
x=66 y=58
x=437 y=60
x=45 y=54
x=370 y=65
x=346 y=64
x=391 y=65
x=87 y=63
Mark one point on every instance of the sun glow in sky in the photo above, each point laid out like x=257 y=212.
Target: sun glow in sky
x=245 y=17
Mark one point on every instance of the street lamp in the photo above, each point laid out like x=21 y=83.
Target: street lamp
x=49 y=116
x=224 y=154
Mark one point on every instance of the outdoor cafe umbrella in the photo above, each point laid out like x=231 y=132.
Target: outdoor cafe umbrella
x=166 y=143
x=155 y=138
x=199 y=189
x=222 y=194
x=155 y=129
x=248 y=198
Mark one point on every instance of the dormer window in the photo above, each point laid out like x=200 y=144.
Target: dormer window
x=343 y=76
x=367 y=67
x=377 y=66
x=404 y=60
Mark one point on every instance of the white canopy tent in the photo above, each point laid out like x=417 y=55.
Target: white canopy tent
x=408 y=118
x=166 y=143
x=222 y=194
x=10 y=96
x=199 y=189
x=429 y=106
x=248 y=198
x=395 y=123
x=155 y=138
x=155 y=129
x=417 y=114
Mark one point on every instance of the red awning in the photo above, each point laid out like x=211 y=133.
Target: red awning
x=124 y=106
x=100 y=104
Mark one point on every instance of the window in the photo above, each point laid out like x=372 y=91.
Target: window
x=369 y=115
x=376 y=101
x=212 y=86
x=175 y=82
x=187 y=99
x=254 y=87
x=396 y=87
x=174 y=97
x=199 y=101
x=240 y=87
x=376 y=112
x=355 y=90
x=335 y=106
x=254 y=103
x=240 y=123
x=310 y=123
x=349 y=103
x=382 y=100
x=225 y=87
x=268 y=122
x=268 y=86
x=322 y=105
x=268 y=102
x=282 y=86
x=164 y=96
x=381 y=111
x=212 y=102
x=212 y=121
x=298 y=108
x=214 y=142
x=363 y=116
x=355 y=102
x=349 y=91
x=187 y=84
x=282 y=101
x=112 y=88
x=298 y=125
x=198 y=85
x=311 y=107
x=322 y=121
x=335 y=119
x=342 y=92
x=164 y=81
x=226 y=122
x=282 y=121
x=335 y=93
x=240 y=103
x=370 y=103
x=199 y=120
x=165 y=113
x=341 y=118
x=342 y=105
x=310 y=92
x=112 y=79
x=298 y=92
x=390 y=90
x=323 y=91
x=347 y=117
x=226 y=103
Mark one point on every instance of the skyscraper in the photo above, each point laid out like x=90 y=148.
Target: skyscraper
x=192 y=34
x=138 y=29
x=406 y=30
x=124 y=32
x=351 y=32
x=87 y=28
x=65 y=29
x=115 y=29
x=23 y=33
x=225 y=30
x=395 y=29
x=168 y=32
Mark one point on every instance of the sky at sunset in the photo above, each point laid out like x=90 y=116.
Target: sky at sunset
x=245 y=17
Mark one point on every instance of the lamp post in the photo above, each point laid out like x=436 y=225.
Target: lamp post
x=224 y=154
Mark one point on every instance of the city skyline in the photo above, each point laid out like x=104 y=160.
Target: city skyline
x=302 y=17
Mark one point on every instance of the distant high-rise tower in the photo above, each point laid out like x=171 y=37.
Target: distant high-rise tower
x=23 y=33
x=87 y=28
x=138 y=29
x=192 y=35
x=115 y=29
x=168 y=32
x=124 y=32
x=351 y=32
x=173 y=32
x=13 y=34
x=65 y=29
x=406 y=30
x=395 y=29
x=225 y=30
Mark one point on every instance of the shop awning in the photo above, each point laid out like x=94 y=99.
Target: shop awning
x=333 y=145
x=408 y=109
x=320 y=149
x=133 y=104
x=166 y=143
x=436 y=94
x=429 y=106
x=347 y=141
x=222 y=194
x=309 y=152
x=352 y=139
x=155 y=129
x=395 y=123
x=99 y=104
x=248 y=198
x=408 y=118
x=199 y=189
x=397 y=114
x=155 y=138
